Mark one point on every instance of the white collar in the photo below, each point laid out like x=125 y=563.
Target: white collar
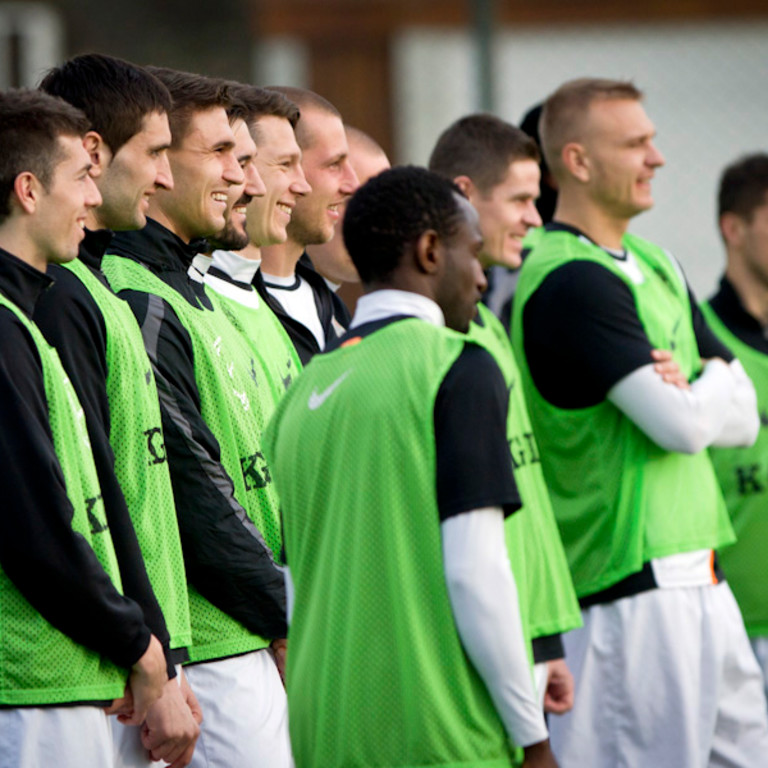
x=199 y=267
x=389 y=302
x=240 y=269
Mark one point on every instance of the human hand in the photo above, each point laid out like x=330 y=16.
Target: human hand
x=539 y=756
x=558 y=697
x=191 y=699
x=279 y=650
x=668 y=369
x=144 y=688
x=170 y=731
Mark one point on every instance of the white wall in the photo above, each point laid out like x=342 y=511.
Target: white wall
x=705 y=86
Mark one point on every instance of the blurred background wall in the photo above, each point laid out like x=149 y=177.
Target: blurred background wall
x=403 y=69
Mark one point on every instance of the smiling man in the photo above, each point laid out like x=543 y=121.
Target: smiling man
x=101 y=348
x=391 y=458
x=309 y=310
x=268 y=139
x=331 y=259
x=634 y=493
x=70 y=639
x=213 y=419
x=497 y=166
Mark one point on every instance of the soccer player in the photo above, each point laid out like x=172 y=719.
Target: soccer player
x=69 y=638
x=310 y=311
x=391 y=459
x=496 y=166
x=101 y=348
x=663 y=670
x=738 y=314
x=502 y=280
x=331 y=259
x=230 y=269
x=225 y=500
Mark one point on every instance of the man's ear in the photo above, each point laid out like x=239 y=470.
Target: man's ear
x=427 y=252
x=732 y=227
x=576 y=161
x=467 y=186
x=27 y=191
x=98 y=151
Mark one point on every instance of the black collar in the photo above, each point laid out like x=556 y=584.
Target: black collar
x=559 y=226
x=21 y=283
x=728 y=307
x=156 y=246
x=361 y=331
x=94 y=246
x=222 y=275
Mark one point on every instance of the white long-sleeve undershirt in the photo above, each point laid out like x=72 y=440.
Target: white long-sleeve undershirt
x=483 y=597
x=720 y=408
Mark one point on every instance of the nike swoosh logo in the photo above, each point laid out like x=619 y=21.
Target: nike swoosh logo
x=316 y=399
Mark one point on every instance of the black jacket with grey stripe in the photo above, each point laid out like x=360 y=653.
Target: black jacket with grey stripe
x=223 y=557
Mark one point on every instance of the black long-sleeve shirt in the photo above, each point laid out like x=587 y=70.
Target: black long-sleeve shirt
x=226 y=557
x=583 y=333
x=54 y=567
x=72 y=321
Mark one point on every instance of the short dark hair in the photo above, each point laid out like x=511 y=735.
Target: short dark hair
x=391 y=211
x=191 y=93
x=31 y=123
x=305 y=99
x=260 y=102
x=743 y=186
x=548 y=192
x=115 y=95
x=482 y=147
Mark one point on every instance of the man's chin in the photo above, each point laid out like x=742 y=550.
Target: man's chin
x=229 y=241
x=510 y=260
x=62 y=258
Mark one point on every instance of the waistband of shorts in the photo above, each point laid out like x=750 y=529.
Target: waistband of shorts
x=640 y=581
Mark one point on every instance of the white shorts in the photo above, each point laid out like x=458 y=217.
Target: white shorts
x=540 y=676
x=64 y=737
x=760 y=647
x=663 y=678
x=245 y=715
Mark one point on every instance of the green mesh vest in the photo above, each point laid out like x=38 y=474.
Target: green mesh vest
x=376 y=672
x=234 y=407
x=41 y=665
x=270 y=343
x=618 y=498
x=552 y=605
x=743 y=475
x=136 y=438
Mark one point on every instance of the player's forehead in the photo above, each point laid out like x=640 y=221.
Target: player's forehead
x=522 y=175
x=617 y=120
x=276 y=137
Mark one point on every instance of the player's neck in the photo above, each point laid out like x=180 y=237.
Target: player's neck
x=160 y=216
x=280 y=260
x=15 y=239
x=251 y=252
x=751 y=289
x=600 y=226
